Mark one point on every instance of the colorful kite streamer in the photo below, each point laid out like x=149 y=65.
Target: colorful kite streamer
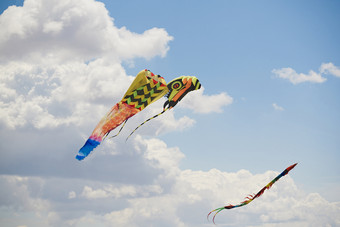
x=252 y=197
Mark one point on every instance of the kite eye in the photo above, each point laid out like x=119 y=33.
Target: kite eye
x=177 y=85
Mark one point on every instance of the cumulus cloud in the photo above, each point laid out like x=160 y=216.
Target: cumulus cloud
x=313 y=77
x=65 y=30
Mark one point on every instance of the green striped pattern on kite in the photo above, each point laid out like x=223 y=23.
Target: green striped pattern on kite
x=144 y=95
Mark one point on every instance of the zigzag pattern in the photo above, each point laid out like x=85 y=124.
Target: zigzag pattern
x=144 y=95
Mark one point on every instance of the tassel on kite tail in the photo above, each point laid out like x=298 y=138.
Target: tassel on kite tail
x=218 y=210
x=116 y=116
x=252 y=197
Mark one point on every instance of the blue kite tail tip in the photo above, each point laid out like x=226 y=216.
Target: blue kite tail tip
x=86 y=149
x=80 y=157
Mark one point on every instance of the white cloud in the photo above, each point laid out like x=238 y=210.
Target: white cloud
x=116 y=191
x=313 y=77
x=296 y=78
x=89 y=193
x=277 y=107
x=201 y=103
x=65 y=30
x=160 y=156
x=330 y=68
x=53 y=27
x=49 y=96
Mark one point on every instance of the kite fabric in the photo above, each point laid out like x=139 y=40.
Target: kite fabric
x=252 y=197
x=144 y=90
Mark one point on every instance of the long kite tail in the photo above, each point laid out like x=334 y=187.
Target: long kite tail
x=147 y=121
x=252 y=197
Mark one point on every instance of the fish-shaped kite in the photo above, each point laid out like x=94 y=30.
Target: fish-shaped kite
x=177 y=89
x=252 y=197
x=144 y=90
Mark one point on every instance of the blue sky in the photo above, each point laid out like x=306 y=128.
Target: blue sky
x=271 y=77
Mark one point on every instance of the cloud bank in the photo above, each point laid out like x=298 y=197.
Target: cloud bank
x=173 y=197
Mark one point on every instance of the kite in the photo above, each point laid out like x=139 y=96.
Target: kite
x=252 y=197
x=144 y=90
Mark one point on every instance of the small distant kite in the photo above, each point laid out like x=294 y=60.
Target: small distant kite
x=144 y=90
x=252 y=197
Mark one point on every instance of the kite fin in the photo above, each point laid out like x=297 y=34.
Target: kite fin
x=87 y=148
